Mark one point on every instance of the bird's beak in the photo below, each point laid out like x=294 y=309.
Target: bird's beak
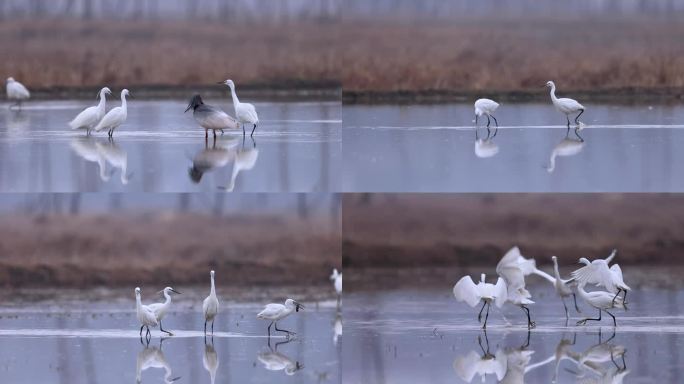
x=221 y=82
x=298 y=306
x=189 y=107
x=176 y=292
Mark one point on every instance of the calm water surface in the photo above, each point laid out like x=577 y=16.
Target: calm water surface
x=104 y=347
x=434 y=148
x=297 y=148
x=409 y=336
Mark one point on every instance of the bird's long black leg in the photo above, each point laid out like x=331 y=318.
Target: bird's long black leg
x=205 y=327
x=212 y=327
x=577 y=117
x=584 y=321
x=206 y=133
x=616 y=295
x=283 y=330
x=162 y=329
x=479 y=315
x=243 y=130
x=488 y=121
x=495 y=122
x=624 y=299
x=611 y=315
x=568 y=118
x=530 y=323
x=578 y=135
x=566 y=307
x=253 y=129
x=141 y=328
x=269 y=329
x=527 y=342
x=486 y=316
x=574 y=298
x=475 y=121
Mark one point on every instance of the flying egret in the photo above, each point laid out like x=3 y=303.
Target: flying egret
x=597 y=272
x=336 y=278
x=210 y=306
x=160 y=309
x=145 y=315
x=90 y=116
x=600 y=300
x=16 y=91
x=276 y=312
x=466 y=290
x=565 y=105
x=210 y=117
x=563 y=288
x=115 y=117
x=244 y=112
x=210 y=360
x=486 y=107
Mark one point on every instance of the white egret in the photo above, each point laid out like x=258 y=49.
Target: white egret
x=466 y=290
x=563 y=288
x=276 y=312
x=16 y=91
x=116 y=157
x=244 y=112
x=336 y=278
x=567 y=147
x=597 y=272
x=486 y=107
x=565 y=105
x=161 y=309
x=210 y=305
x=210 y=117
x=210 y=361
x=600 y=300
x=145 y=315
x=115 y=117
x=90 y=116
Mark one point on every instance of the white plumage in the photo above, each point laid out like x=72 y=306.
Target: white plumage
x=567 y=147
x=144 y=314
x=210 y=305
x=244 y=112
x=276 y=361
x=276 y=312
x=16 y=91
x=597 y=272
x=245 y=159
x=336 y=278
x=116 y=157
x=161 y=309
x=210 y=361
x=563 y=288
x=90 y=116
x=466 y=290
x=115 y=117
x=600 y=300
x=565 y=105
x=486 y=107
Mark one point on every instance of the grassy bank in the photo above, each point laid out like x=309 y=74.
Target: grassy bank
x=131 y=249
x=423 y=230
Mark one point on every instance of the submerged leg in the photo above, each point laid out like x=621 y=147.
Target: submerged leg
x=584 y=321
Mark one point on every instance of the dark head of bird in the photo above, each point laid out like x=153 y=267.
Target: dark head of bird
x=195 y=174
x=195 y=102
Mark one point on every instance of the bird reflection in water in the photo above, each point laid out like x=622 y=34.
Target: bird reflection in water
x=276 y=361
x=604 y=361
x=103 y=152
x=115 y=157
x=86 y=148
x=219 y=155
x=337 y=327
x=486 y=147
x=210 y=359
x=569 y=146
x=153 y=357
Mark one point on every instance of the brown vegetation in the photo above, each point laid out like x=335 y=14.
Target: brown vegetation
x=475 y=230
x=48 y=53
x=116 y=250
x=512 y=55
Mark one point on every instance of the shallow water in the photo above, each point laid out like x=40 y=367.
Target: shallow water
x=434 y=148
x=296 y=148
x=104 y=347
x=409 y=336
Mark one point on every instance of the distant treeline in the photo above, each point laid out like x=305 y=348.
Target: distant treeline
x=272 y=11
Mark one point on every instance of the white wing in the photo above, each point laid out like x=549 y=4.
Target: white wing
x=16 y=90
x=246 y=112
x=271 y=310
x=570 y=103
x=617 y=276
x=595 y=273
x=86 y=118
x=500 y=293
x=466 y=290
x=113 y=118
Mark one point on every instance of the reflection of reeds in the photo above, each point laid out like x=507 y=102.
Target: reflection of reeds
x=492 y=54
x=465 y=230
x=129 y=249
x=72 y=53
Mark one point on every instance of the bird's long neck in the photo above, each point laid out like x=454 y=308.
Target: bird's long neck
x=138 y=302
x=556 y=273
x=123 y=101
x=167 y=296
x=581 y=291
x=213 y=287
x=101 y=104
x=236 y=101
x=553 y=93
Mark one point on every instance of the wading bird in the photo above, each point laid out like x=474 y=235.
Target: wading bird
x=466 y=290
x=210 y=117
x=597 y=272
x=486 y=107
x=160 y=309
x=115 y=117
x=245 y=113
x=276 y=312
x=16 y=91
x=145 y=315
x=563 y=288
x=600 y=300
x=90 y=116
x=565 y=105
x=210 y=306
x=336 y=278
